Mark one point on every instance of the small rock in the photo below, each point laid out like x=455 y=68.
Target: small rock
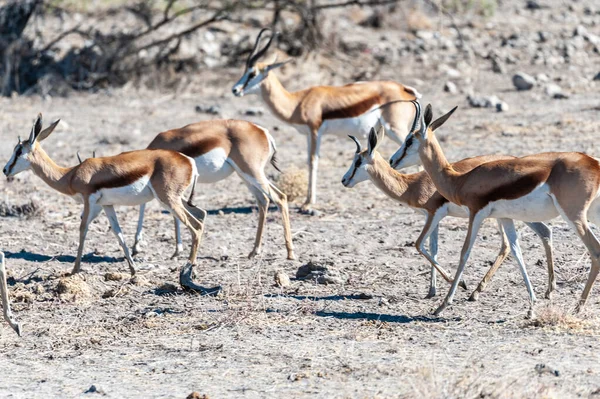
x=597 y=77
x=580 y=30
x=320 y=274
x=555 y=91
x=281 y=279
x=501 y=106
x=532 y=5
x=254 y=112
x=523 y=81
x=94 y=389
x=451 y=88
x=542 y=77
x=305 y=270
x=208 y=109
x=497 y=66
x=196 y=395
x=542 y=368
x=486 y=102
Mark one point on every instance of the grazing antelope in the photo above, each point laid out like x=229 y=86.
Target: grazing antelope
x=319 y=110
x=131 y=178
x=220 y=147
x=8 y=316
x=533 y=188
x=418 y=192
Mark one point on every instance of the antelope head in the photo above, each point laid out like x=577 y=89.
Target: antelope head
x=363 y=159
x=408 y=154
x=255 y=71
x=25 y=150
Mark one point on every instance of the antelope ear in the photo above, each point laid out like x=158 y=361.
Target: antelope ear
x=380 y=132
x=36 y=128
x=442 y=119
x=428 y=116
x=278 y=64
x=372 y=141
x=46 y=132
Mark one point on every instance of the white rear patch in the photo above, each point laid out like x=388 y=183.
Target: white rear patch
x=136 y=193
x=213 y=166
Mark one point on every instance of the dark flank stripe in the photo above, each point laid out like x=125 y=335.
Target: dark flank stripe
x=353 y=110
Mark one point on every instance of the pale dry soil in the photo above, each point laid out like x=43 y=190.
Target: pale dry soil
x=309 y=340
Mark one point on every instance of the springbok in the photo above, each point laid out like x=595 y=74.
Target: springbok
x=351 y=109
x=220 y=147
x=131 y=178
x=417 y=192
x=8 y=316
x=537 y=187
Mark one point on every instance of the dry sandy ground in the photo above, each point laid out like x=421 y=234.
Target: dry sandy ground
x=257 y=340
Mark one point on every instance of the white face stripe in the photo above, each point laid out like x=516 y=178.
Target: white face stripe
x=19 y=160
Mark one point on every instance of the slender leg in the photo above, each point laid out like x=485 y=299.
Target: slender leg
x=545 y=233
x=314 y=142
x=433 y=248
x=431 y=223
x=8 y=316
x=577 y=219
x=90 y=212
x=475 y=220
x=513 y=238
x=178 y=240
x=263 y=205
x=504 y=250
x=138 y=234
x=281 y=200
x=114 y=224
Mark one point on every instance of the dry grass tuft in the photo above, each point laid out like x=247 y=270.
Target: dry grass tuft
x=293 y=182
x=559 y=319
x=28 y=210
x=73 y=288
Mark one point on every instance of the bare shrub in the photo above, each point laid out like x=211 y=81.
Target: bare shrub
x=293 y=182
x=28 y=210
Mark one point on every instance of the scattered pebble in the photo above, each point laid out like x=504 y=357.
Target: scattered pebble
x=94 y=389
x=282 y=279
x=255 y=111
x=501 y=106
x=208 y=109
x=523 y=81
x=542 y=368
x=196 y=395
x=320 y=274
x=555 y=91
x=487 y=102
x=451 y=88
x=597 y=77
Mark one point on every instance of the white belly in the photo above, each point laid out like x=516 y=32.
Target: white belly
x=136 y=193
x=457 y=211
x=213 y=166
x=537 y=206
x=359 y=126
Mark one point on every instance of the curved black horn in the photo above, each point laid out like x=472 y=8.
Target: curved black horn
x=358 y=147
x=417 y=116
x=252 y=58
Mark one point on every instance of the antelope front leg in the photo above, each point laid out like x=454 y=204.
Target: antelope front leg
x=138 y=234
x=8 y=316
x=90 y=211
x=474 y=225
x=114 y=223
x=314 y=140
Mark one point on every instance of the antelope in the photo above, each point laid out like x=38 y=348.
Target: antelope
x=320 y=110
x=532 y=188
x=8 y=316
x=131 y=178
x=218 y=148
x=417 y=192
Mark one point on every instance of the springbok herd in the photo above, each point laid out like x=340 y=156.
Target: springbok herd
x=534 y=189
